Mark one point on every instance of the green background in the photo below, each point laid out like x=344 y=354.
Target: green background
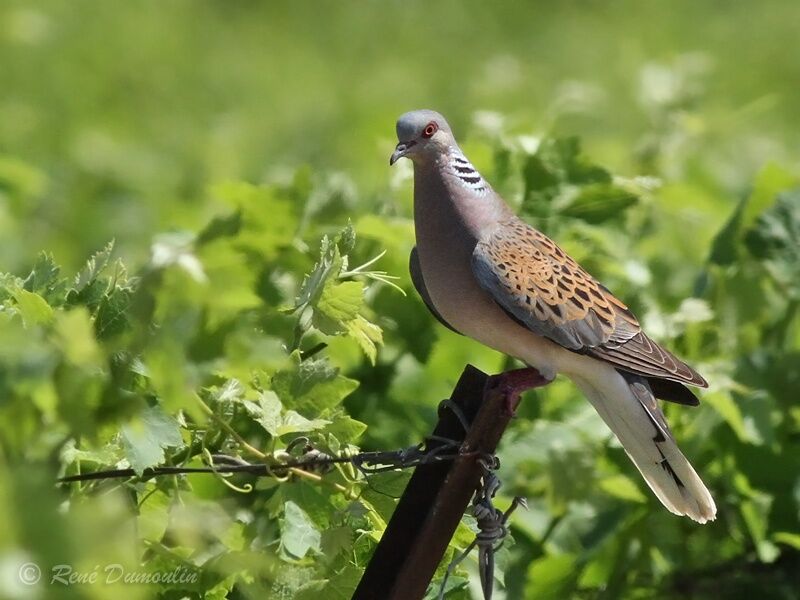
x=140 y=122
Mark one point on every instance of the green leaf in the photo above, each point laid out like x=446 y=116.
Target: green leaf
x=725 y=247
x=537 y=175
x=32 y=307
x=622 y=487
x=726 y=407
x=76 y=338
x=294 y=422
x=112 y=313
x=268 y=411
x=551 y=577
x=338 y=304
x=328 y=265
x=311 y=590
x=346 y=239
x=758 y=409
x=231 y=391
x=368 y=336
x=755 y=513
x=314 y=499
x=772 y=180
x=788 y=538
x=558 y=165
x=269 y=218
x=312 y=387
x=336 y=540
x=93 y=268
x=455 y=584
x=220 y=227
x=146 y=436
x=775 y=239
x=298 y=534
x=8 y=283
x=598 y=202
x=154 y=516
x=270 y=415
x=342 y=585
x=563 y=157
x=43 y=279
x=108 y=454
x=346 y=428
x=383 y=491
x=90 y=296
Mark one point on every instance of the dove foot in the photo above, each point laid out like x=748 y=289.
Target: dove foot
x=514 y=383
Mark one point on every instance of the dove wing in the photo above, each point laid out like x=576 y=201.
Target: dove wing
x=419 y=284
x=545 y=290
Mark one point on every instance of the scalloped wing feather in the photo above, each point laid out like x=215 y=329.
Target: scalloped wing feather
x=543 y=288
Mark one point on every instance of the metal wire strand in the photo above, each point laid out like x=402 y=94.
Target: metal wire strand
x=492 y=528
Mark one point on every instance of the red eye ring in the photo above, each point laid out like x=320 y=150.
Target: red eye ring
x=430 y=129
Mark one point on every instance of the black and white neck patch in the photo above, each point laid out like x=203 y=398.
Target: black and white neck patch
x=466 y=173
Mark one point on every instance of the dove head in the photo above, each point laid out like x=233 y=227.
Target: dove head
x=422 y=135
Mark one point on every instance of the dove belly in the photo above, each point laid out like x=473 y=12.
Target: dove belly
x=461 y=301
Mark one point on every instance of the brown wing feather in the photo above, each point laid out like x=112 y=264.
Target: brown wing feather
x=535 y=280
x=642 y=355
x=546 y=290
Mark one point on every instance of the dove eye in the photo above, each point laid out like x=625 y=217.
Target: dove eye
x=430 y=129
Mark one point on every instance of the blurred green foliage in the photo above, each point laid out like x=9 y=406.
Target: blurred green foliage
x=226 y=146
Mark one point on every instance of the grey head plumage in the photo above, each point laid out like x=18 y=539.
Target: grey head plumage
x=424 y=136
x=421 y=134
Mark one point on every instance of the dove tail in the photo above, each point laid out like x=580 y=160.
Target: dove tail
x=627 y=405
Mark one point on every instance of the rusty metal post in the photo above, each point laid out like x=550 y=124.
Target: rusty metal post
x=437 y=495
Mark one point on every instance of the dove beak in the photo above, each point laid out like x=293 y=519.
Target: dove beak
x=400 y=151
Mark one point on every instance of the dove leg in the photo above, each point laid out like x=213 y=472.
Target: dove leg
x=513 y=383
